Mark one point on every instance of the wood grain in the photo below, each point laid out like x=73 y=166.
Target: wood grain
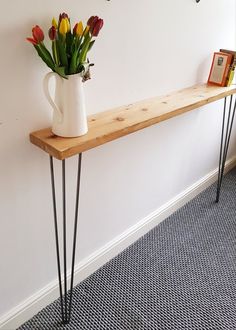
x=118 y=122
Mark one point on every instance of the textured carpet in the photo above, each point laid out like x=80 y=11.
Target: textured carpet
x=181 y=275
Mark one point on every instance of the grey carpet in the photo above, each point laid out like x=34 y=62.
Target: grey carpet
x=181 y=275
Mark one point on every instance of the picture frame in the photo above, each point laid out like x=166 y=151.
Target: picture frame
x=219 y=68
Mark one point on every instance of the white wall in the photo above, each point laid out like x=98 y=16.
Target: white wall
x=146 y=48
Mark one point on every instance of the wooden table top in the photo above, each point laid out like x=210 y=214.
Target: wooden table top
x=112 y=124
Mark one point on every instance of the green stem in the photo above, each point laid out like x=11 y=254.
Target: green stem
x=62 y=54
x=54 y=51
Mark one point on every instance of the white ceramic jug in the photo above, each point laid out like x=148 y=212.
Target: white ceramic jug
x=69 y=115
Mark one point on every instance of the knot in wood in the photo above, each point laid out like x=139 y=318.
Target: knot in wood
x=119 y=118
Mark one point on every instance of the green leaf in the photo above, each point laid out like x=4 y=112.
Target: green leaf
x=45 y=56
x=61 y=71
x=84 y=50
x=78 y=41
x=91 y=45
x=46 y=53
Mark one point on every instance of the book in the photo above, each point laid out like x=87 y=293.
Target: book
x=230 y=77
x=220 y=68
x=231 y=73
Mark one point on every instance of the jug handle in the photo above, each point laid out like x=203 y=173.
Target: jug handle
x=47 y=93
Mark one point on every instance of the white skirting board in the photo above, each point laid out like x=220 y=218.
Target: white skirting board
x=28 y=308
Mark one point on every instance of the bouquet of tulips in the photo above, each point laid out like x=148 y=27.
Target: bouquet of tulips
x=69 y=47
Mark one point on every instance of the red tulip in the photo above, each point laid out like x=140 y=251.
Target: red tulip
x=92 y=21
x=97 y=27
x=32 y=41
x=52 y=33
x=38 y=34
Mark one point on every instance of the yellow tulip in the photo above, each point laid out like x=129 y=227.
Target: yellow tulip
x=63 y=29
x=68 y=24
x=54 y=22
x=79 y=29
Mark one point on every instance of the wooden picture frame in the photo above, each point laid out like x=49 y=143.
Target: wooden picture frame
x=219 y=68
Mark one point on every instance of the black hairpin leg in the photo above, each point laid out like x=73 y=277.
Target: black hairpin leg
x=227 y=124
x=66 y=299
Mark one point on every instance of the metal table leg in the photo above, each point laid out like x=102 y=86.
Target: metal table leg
x=67 y=295
x=227 y=124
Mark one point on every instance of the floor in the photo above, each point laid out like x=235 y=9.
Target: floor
x=181 y=275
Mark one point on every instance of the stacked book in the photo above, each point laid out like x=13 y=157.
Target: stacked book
x=222 y=68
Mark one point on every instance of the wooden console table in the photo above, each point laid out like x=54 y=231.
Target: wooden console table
x=110 y=125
